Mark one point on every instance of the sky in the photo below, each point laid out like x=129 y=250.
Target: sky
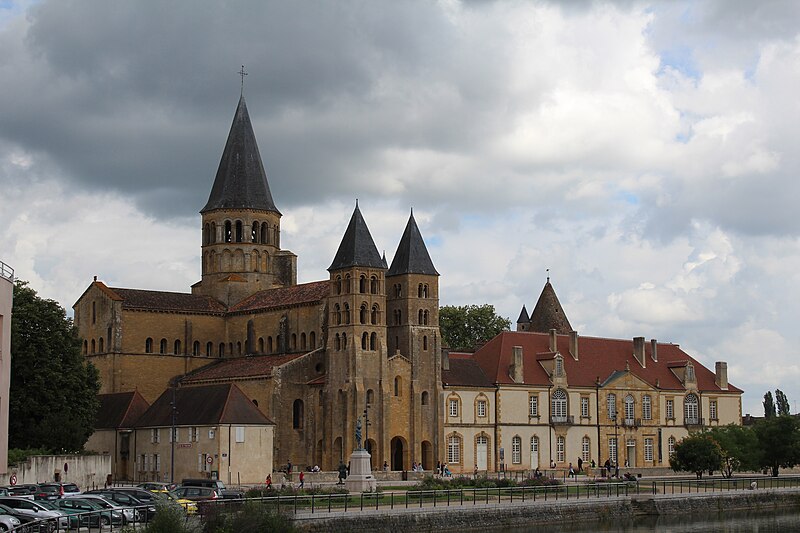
x=646 y=153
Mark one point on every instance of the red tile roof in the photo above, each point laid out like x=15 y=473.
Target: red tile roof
x=203 y=405
x=465 y=372
x=598 y=359
x=240 y=367
x=305 y=293
x=145 y=300
x=119 y=410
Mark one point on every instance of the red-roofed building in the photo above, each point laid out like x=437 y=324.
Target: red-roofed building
x=532 y=399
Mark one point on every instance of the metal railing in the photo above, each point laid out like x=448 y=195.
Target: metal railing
x=692 y=486
x=6 y=271
x=562 y=420
x=99 y=521
x=694 y=421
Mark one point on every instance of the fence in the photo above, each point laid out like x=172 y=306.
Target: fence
x=6 y=271
x=690 y=486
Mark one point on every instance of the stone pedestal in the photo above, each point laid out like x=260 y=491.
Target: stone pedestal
x=360 y=478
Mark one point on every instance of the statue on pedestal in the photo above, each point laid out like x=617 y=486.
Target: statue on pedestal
x=358 y=434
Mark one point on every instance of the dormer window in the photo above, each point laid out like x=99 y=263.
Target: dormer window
x=559 y=366
x=690 y=372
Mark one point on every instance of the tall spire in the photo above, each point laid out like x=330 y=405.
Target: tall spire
x=412 y=255
x=548 y=313
x=357 y=247
x=241 y=182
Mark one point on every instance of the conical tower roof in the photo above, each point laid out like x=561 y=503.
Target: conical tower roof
x=241 y=182
x=523 y=316
x=412 y=255
x=548 y=313
x=357 y=247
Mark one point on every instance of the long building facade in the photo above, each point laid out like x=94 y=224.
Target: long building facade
x=364 y=344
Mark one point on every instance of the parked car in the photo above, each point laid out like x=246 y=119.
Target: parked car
x=88 y=513
x=153 y=485
x=48 y=491
x=70 y=489
x=35 y=510
x=8 y=519
x=215 y=484
x=129 y=513
x=146 y=510
x=25 y=491
x=187 y=505
x=196 y=494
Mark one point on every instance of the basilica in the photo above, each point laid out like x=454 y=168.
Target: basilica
x=251 y=371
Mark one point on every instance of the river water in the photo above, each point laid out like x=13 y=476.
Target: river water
x=780 y=521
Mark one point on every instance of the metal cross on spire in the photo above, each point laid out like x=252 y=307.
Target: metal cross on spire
x=242 y=73
x=548 y=275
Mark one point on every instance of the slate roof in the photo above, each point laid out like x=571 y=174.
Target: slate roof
x=412 y=256
x=523 y=316
x=120 y=410
x=357 y=247
x=464 y=372
x=548 y=313
x=145 y=300
x=240 y=367
x=285 y=296
x=241 y=181
x=202 y=406
x=599 y=358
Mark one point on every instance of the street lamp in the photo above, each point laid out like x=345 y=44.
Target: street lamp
x=366 y=429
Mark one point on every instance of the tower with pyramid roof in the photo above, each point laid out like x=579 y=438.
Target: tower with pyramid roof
x=241 y=244
x=546 y=315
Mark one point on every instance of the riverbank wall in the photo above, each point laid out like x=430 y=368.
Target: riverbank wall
x=514 y=515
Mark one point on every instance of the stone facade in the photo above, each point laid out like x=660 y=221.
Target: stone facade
x=6 y=304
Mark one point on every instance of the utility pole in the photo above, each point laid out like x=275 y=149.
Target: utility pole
x=174 y=406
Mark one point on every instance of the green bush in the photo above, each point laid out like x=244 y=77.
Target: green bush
x=168 y=519
x=252 y=517
x=20 y=455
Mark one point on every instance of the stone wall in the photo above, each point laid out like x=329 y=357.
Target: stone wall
x=506 y=515
x=87 y=471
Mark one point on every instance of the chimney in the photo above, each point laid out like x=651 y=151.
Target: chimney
x=445 y=358
x=573 y=344
x=553 y=344
x=516 y=365
x=654 y=350
x=721 y=379
x=638 y=350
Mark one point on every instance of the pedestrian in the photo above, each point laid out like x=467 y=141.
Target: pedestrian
x=593 y=464
x=580 y=464
x=302 y=479
x=385 y=466
x=607 y=467
x=571 y=471
x=616 y=470
x=289 y=468
x=476 y=472
x=342 y=473
x=438 y=468
x=552 y=464
x=269 y=481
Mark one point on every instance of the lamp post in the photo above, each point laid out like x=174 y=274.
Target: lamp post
x=366 y=428
x=173 y=405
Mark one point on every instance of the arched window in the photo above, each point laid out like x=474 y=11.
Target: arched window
x=559 y=406
x=338 y=285
x=338 y=312
x=425 y=342
x=629 y=410
x=397 y=317
x=238 y=231
x=303 y=341
x=347 y=283
x=269 y=344
x=370 y=396
x=261 y=345
x=196 y=348
x=425 y=317
x=419 y=318
x=419 y=291
x=312 y=340
x=373 y=285
x=362 y=284
x=344 y=341
x=453 y=449
x=516 y=450
x=346 y=313
x=691 y=409
x=265 y=233
x=254 y=233
x=86 y=347
x=586 y=449
x=647 y=411
x=100 y=345
x=364 y=340
x=398 y=290
x=209 y=349
x=374 y=315
x=213 y=235
x=362 y=315
x=425 y=291
x=228 y=231
x=671 y=446
x=337 y=343
x=611 y=402
x=560 y=452
x=398 y=386
x=177 y=346
x=148 y=345
x=93 y=346
x=559 y=366
x=239 y=348
x=297 y=414
x=294 y=341
x=373 y=341
x=425 y=397
x=222 y=349
x=206 y=233
x=163 y=346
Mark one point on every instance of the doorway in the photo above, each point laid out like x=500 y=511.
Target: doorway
x=631 y=453
x=427 y=455
x=482 y=452
x=397 y=453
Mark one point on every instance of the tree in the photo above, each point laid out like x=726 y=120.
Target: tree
x=781 y=402
x=779 y=442
x=465 y=326
x=53 y=399
x=696 y=453
x=739 y=447
x=769 y=405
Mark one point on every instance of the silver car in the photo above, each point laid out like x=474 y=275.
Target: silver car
x=130 y=515
x=7 y=519
x=35 y=510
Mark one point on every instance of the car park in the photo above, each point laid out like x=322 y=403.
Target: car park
x=146 y=510
x=129 y=514
x=8 y=519
x=35 y=510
